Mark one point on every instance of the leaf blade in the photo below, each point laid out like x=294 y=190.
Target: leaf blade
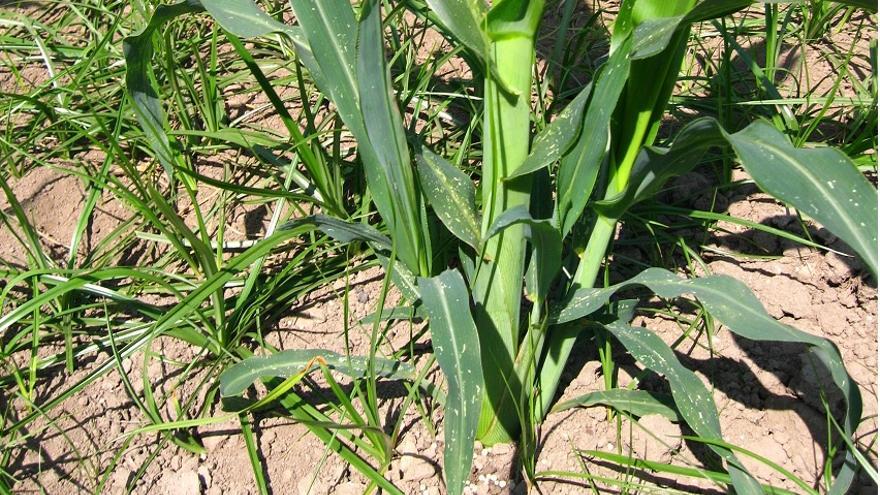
x=452 y=195
x=821 y=182
x=457 y=347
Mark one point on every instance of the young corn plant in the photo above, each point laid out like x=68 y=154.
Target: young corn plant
x=535 y=229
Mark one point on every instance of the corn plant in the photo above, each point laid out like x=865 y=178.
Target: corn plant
x=534 y=231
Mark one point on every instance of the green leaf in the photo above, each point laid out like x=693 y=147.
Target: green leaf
x=635 y=402
x=242 y=374
x=580 y=167
x=346 y=232
x=734 y=305
x=243 y=18
x=464 y=19
x=385 y=134
x=452 y=195
x=653 y=36
x=546 y=249
x=693 y=399
x=331 y=30
x=556 y=139
x=138 y=50
x=821 y=182
x=655 y=165
x=457 y=347
x=240 y=17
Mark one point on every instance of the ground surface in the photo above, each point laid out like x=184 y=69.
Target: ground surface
x=766 y=394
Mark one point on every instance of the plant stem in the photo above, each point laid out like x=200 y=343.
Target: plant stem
x=563 y=337
x=497 y=287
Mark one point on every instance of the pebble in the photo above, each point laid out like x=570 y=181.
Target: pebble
x=205 y=476
x=183 y=483
x=415 y=468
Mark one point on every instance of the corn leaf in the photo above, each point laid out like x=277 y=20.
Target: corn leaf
x=635 y=402
x=821 y=182
x=452 y=195
x=243 y=18
x=580 y=167
x=331 y=31
x=656 y=165
x=457 y=347
x=385 y=134
x=734 y=305
x=556 y=139
x=464 y=19
x=692 y=398
x=238 y=377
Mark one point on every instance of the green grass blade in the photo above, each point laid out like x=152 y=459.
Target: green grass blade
x=457 y=347
x=138 y=51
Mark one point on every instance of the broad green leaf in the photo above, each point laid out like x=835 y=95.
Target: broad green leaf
x=821 y=182
x=241 y=375
x=656 y=165
x=402 y=277
x=331 y=31
x=457 y=347
x=653 y=36
x=635 y=402
x=243 y=18
x=385 y=134
x=580 y=167
x=734 y=305
x=452 y=195
x=694 y=402
x=464 y=19
x=556 y=139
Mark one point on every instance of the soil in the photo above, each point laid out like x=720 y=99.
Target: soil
x=766 y=394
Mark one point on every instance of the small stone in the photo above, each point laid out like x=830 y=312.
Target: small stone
x=213 y=441
x=415 y=468
x=83 y=401
x=363 y=297
x=182 y=483
x=126 y=365
x=205 y=476
x=176 y=463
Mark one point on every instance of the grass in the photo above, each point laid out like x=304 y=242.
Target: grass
x=252 y=130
